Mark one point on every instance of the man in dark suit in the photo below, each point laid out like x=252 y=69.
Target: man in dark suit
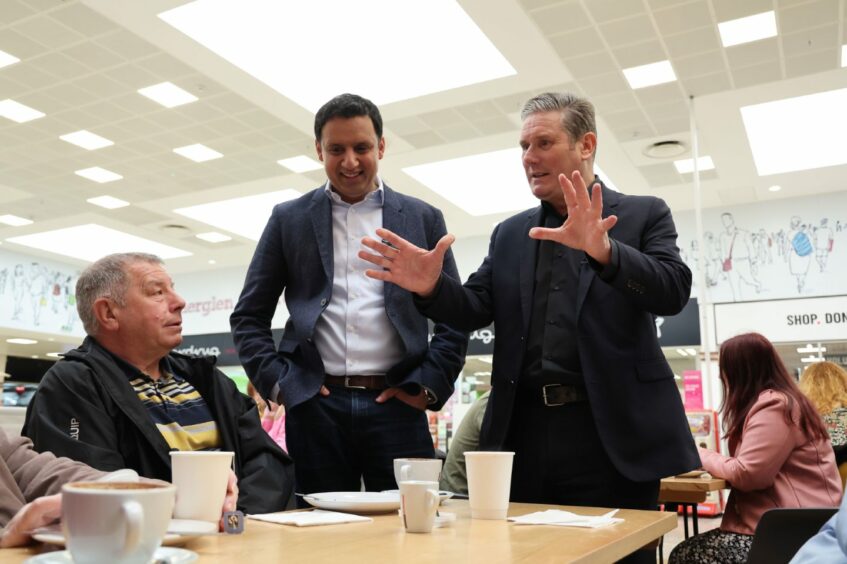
x=581 y=390
x=353 y=368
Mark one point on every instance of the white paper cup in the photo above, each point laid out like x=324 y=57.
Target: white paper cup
x=418 y=469
x=200 y=478
x=489 y=482
x=418 y=504
x=115 y=522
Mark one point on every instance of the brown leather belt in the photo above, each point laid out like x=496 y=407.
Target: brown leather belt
x=357 y=382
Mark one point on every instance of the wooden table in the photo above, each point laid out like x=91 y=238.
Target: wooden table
x=689 y=492
x=467 y=540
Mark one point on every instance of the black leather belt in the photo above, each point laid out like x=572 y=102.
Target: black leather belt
x=363 y=382
x=554 y=395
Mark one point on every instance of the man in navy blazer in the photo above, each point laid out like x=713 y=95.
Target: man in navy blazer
x=581 y=390
x=353 y=369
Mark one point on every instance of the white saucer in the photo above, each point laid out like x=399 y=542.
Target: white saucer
x=179 y=532
x=168 y=554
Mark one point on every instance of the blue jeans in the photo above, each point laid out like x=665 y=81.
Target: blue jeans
x=339 y=440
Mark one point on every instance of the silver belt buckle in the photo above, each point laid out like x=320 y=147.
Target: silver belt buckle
x=544 y=393
x=347 y=384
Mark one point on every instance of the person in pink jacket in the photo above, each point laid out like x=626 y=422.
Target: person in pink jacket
x=780 y=454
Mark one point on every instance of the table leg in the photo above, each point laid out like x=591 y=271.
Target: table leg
x=685 y=518
x=694 y=521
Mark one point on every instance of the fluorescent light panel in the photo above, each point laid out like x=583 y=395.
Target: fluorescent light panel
x=168 y=94
x=14 y=220
x=108 y=202
x=86 y=140
x=686 y=166
x=20 y=341
x=92 y=241
x=300 y=163
x=213 y=237
x=198 y=153
x=18 y=112
x=98 y=174
x=747 y=29
x=259 y=30
x=7 y=59
x=818 y=116
x=649 y=75
x=243 y=216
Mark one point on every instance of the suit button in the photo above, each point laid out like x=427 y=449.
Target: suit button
x=323 y=302
x=309 y=340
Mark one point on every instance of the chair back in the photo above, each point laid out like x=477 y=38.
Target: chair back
x=781 y=532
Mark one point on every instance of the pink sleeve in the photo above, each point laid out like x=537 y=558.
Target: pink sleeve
x=766 y=442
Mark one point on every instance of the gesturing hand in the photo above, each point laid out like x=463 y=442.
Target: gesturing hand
x=404 y=264
x=584 y=229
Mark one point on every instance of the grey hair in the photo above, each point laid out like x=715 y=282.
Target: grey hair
x=106 y=278
x=577 y=113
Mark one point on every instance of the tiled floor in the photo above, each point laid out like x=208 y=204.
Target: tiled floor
x=678 y=535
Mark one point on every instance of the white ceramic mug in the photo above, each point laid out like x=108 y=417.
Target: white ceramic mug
x=426 y=469
x=200 y=478
x=489 y=482
x=115 y=522
x=418 y=504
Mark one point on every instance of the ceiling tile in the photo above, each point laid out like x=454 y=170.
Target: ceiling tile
x=442 y=118
x=93 y=56
x=631 y=30
x=697 y=65
x=707 y=84
x=660 y=94
x=726 y=10
x=423 y=139
x=605 y=10
x=662 y=174
x=228 y=126
x=616 y=102
x=11 y=88
x=13 y=11
x=284 y=133
x=83 y=19
x=258 y=118
x=640 y=54
x=576 y=43
x=608 y=83
x=59 y=66
x=479 y=110
x=672 y=126
x=811 y=63
x=411 y=124
x=759 y=74
x=165 y=66
x=536 y=4
x=458 y=132
x=810 y=40
x=662 y=4
x=693 y=42
x=513 y=102
x=673 y=110
x=560 y=18
x=127 y=45
x=633 y=132
x=625 y=118
x=132 y=76
x=48 y=32
x=681 y=19
x=591 y=65
x=492 y=126
x=20 y=45
x=28 y=76
x=754 y=53
x=101 y=86
x=804 y=16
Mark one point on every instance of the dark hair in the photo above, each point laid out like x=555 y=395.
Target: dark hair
x=749 y=365
x=347 y=106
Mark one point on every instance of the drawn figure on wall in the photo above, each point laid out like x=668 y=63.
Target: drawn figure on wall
x=4 y=275
x=823 y=243
x=739 y=257
x=38 y=286
x=799 y=249
x=70 y=304
x=18 y=288
x=764 y=245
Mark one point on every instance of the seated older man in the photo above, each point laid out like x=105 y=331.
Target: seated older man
x=123 y=399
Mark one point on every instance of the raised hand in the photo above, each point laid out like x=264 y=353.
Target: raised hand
x=584 y=229
x=404 y=264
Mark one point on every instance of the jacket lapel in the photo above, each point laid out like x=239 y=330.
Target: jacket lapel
x=320 y=211
x=529 y=250
x=394 y=220
x=586 y=273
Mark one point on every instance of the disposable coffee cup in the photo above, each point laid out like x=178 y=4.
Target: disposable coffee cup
x=115 y=522
x=200 y=478
x=489 y=483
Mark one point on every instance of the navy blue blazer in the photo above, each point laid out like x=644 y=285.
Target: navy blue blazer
x=295 y=254
x=634 y=399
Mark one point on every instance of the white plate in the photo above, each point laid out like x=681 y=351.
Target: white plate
x=361 y=502
x=179 y=532
x=443 y=495
x=170 y=555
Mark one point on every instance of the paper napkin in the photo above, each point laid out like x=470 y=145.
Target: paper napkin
x=567 y=519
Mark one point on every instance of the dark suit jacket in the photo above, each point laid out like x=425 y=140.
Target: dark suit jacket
x=295 y=254
x=634 y=400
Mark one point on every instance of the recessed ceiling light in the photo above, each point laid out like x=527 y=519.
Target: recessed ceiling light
x=198 y=153
x=499 y=182
x=168 y=94
x=7 y=59
x=14 y=220
x=257 y=31
x=775 y=188
x=747 y=29
x=686 y=166
x=213 y=237
x=18 y=341
x=649 y=75
x=300 y=163
x=818 y=116
x=108 y=202
x=86 y=140
x=16 y=111
x=98 y=174
x=245 y=216
x=91 y=242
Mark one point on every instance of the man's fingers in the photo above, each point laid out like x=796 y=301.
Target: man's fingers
x=383 y=275
x=443 y=244
x=379 y=247
x=374 y=259
x=597 y=198
x=609 y=222
x=386 y=395
x=545 y=233
x=581 y=191
x=396 y=241
x=324 y=391
x=568 y=191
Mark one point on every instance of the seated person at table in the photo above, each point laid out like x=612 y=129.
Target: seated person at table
x=830 y=544
x=780 y=455
x=124 y=400
x=454 y=476
x=825 y=384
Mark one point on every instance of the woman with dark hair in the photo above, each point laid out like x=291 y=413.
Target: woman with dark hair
x=779 y=451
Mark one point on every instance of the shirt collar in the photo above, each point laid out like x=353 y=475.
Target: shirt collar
x=378 y=195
